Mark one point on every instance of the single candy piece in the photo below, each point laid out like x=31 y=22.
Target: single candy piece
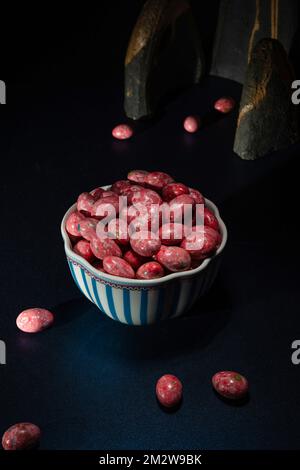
x=169 y=390
x=130 y=191
x=119 y=186
x=201 y=242
x=150 y=270
x=73 y=222
x=117 y=230
x=34 y=320
x=197 y=196
x=145 y=243
x=157 y=179
x=106 y=207
x=174 y=258
x=210 y=219
x=191 y=123
x=224 y=105
x=97 y=193
x=122 y=132
x=146 y=197
x=230 y=384
x=105 y=247
x=87 y=228
x=118 y=267
x=137 y=176
x=85 y=203
x=83 y=248
x=172 y=234
x=172 y=190
x=21 y=436
x=181 y=209
x=133 y=259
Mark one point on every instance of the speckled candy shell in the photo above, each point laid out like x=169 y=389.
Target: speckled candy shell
x=34 y=320
x=230 y=384
x=21 y=436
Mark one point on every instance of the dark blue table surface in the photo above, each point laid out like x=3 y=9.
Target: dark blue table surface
x=89 y=382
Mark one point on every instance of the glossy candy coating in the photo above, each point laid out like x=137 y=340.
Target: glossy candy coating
x=83 y=248
x=34 y=320
x=118 y=267
x=145 y=243
x=169 y=390
x=150 y=270
x=174 y=258
x=224 y=105
x=157 y=179
x=105 y=247
x=191 y=123
x=21 y=436
x=122 y=132
x=230 y=384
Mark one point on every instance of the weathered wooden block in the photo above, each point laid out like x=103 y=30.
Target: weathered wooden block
x=267 y=118
x=164 y=54
x=242 y=24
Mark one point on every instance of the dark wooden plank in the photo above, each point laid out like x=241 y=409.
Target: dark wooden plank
x=267 y=118
x=164 y=55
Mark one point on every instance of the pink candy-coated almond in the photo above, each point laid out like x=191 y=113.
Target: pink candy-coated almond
x=150 y=270
x=174 y=258
x=85 y=203
x=106 y=207
x=210 y=219
x=157 y=179
x=225 y=104
x=87 y=228
x=172 y=234
x=191 y=123
x=118 y=267
x=72 y=223
x=83 y=248
x=201 y=242
x=146 y=197
x=197 y=196
x=230 y=384
x=97 y=193
x=105 y=247
x=130 y=191
x=21 y=436
x=120 y=186
x=181 y=208
x=172 y=190
x=117 y=230
x=169 y=390
x=137 y=176
x=145 y=243
x=122 y=132
x=134 y=259
x=34 y=320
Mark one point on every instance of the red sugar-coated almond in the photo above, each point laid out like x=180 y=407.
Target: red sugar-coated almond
x=21 y=436
x=118 y=267
x=230 y=384
x=83 y=248
x=191 y=123
x=150 y=270
x=224 y=105
x=34 y=320
x=174 y=258
x=122 y=132
x=169 y=390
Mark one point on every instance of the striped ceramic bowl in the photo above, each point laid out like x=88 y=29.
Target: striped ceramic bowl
x=140 y=302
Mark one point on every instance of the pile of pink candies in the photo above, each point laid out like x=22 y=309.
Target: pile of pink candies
x=113 y=230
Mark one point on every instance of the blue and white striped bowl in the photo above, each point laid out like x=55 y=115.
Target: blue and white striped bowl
x=139 y=302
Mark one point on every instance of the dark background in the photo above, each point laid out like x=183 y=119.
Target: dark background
x=89 y=382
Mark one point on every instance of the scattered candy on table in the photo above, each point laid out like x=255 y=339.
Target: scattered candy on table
x=230 y=384
x=34 y=320
x=169 y=390
x=21 y=436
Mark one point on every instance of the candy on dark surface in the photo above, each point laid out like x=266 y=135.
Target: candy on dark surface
x=122 y=132
x=21 y=436
x=169 y=390
x=34 y=320
x=191 y=124
x=230 y=384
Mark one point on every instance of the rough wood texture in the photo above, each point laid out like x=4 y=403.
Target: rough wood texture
x=163 y=55
x=267 y=118
x=242 y=24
